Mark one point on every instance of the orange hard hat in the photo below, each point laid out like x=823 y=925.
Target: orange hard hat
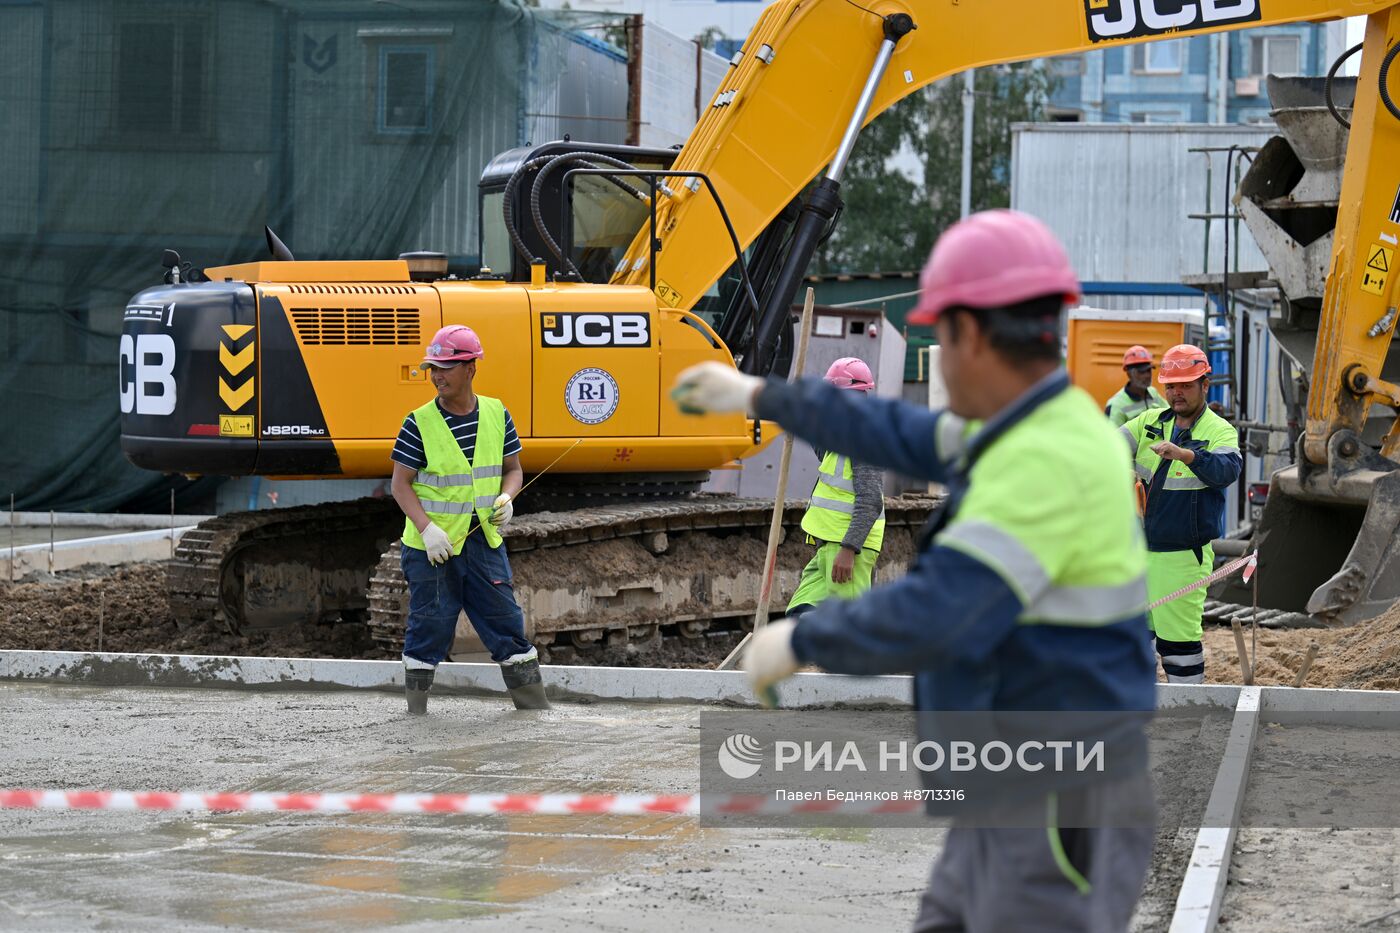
x=1183 y=363
x=1136 y=356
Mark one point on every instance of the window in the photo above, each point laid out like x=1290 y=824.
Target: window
x=1067 y=66
x=1164 y=57
x=405 y=89
x=1058 y=115
x=161 y=77
x=1277 y=55
x=1155 y=116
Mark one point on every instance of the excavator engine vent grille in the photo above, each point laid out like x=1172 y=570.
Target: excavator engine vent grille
x=357 y=326
x=350 y=289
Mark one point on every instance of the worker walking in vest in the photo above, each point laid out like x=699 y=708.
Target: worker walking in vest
x=846 y=518
x=1185 y=456
x=1027 y=590
x=1137 y=395
x=456 y=472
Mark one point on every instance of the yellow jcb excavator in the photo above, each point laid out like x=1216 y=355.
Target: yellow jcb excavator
x=305 y=369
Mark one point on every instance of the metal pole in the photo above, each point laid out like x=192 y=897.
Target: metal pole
x=1222 y=93
x=12 y=537
x=775 y=527
x=172 y=522
x=969 y=96
x=50 y=540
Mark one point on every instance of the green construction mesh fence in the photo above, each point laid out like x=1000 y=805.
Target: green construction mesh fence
x=355 y=129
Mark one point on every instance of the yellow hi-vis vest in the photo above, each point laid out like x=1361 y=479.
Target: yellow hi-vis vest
x=833 y=500
x=449 y=487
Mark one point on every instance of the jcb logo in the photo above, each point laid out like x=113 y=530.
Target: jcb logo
x=146 y=374
x=1129 y=19
x=595 y=330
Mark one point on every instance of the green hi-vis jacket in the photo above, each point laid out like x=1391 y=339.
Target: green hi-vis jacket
x=833 y=501
x=1122 y=408
x=451 y=488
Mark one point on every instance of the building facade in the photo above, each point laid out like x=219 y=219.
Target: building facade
x=1180 y=80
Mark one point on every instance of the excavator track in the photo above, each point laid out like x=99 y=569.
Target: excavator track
x=278 y=567
x=620 y=573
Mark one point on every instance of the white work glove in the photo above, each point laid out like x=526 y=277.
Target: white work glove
x=714 y=387
x=501 y=510
x=437 y=544
x=769 y=659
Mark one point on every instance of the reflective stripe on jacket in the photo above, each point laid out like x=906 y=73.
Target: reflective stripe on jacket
x=1185 y=504
x=833 y=501
x=451 y=488
x=1122 y=407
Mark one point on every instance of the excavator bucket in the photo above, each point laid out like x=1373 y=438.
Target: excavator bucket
x=1329 y=536
x=1331 y=550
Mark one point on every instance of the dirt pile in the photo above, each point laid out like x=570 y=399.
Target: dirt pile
x=1360 y=657
x=62 y=613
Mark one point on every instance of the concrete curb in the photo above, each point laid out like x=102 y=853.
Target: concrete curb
x=106 y=549
x=564 y=682
x=1202 y=890
x=97 y=519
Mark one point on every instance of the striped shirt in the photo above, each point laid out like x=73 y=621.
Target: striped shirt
x=408 y=448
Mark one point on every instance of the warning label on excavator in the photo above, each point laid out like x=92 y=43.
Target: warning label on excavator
x=235 y=425
x=1379 y=260
x=668 y=294
x=1395 y=208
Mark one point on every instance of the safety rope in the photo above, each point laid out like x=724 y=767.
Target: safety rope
x=1249 y=562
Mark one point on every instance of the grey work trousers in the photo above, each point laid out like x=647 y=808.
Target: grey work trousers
x=992 y=880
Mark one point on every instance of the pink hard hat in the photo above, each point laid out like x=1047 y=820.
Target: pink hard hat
x=850 y=372
x=993 y=259
x=454 y=343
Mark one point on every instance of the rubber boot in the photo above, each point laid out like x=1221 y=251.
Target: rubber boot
x=416 y=684
x=524 y=682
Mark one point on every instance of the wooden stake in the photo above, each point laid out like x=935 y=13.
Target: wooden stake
x=101 y=613
x=775 y=527
x=1308 y=660
x=1246 y=670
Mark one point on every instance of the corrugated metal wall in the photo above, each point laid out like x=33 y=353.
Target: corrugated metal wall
x=1119 y=196
x=671 y=68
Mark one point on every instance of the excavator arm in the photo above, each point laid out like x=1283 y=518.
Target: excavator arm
x=782 y=109
x=1359 y=306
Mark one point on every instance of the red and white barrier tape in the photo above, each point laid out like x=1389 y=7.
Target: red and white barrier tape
x=477 y=804
x=470 y=804
x=1249 y=561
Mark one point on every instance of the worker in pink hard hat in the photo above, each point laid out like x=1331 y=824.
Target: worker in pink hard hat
x=1137 y=395
x=845 y=519
x=456 y=474
x=1027 y=589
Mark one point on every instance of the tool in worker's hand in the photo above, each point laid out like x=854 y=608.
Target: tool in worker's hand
x=775 y=527
x=509 y=499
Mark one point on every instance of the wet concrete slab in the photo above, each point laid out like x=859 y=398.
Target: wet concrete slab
x=62 y=870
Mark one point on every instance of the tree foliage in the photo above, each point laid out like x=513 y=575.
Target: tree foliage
x=891 y=219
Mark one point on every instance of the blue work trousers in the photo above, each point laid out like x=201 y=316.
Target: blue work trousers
x=478 y=581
